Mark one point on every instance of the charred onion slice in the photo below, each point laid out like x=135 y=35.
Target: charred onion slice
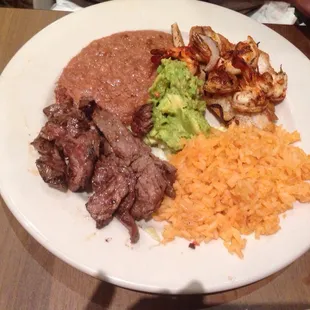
x=215 y=53
x=221 y=106
x=217 y=109
x=207 y=50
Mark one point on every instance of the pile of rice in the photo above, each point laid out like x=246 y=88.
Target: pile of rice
x=235 y=183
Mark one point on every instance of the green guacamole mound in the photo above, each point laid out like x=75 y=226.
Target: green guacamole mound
x=178 y=111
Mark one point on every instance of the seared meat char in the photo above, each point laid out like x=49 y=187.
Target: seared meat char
x=154 y=176
x=52 y=169
x=51 y=164
x=72 y=136
x=55 y=110
x=105 y=201
x=151 y=186
x=142 y=120
x=111 y=169
x=63 y=121
x=88 y=148
x=43 y=146
x=121 y=140
x=82 y=153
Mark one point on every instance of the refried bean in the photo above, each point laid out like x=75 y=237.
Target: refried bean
x=115 y=72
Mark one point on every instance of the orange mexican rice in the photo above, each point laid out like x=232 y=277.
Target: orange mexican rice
x=233 y=183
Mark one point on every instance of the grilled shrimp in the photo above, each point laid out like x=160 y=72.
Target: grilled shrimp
x=279 y=79
x=279 y=87
x=193 y=56
x=249 y=100
x=220 y=81
x=184 y=53
x=258 y=89
x=200 y=55
x=247 y=50
x=221 y=106
x=253 y=88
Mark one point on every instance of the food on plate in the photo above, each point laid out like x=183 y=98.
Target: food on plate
x=68 y=145
x=124 y=93
x=240 y=85
x=235 y=183
x=90 y=149
x=114 y=71
x=222 y=45
x=142 y=120
x=178 y=110
x=183 y=53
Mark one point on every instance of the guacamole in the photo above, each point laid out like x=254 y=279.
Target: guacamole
x=178 y=111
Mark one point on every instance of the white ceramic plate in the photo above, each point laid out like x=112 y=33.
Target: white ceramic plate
x=60 y=221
